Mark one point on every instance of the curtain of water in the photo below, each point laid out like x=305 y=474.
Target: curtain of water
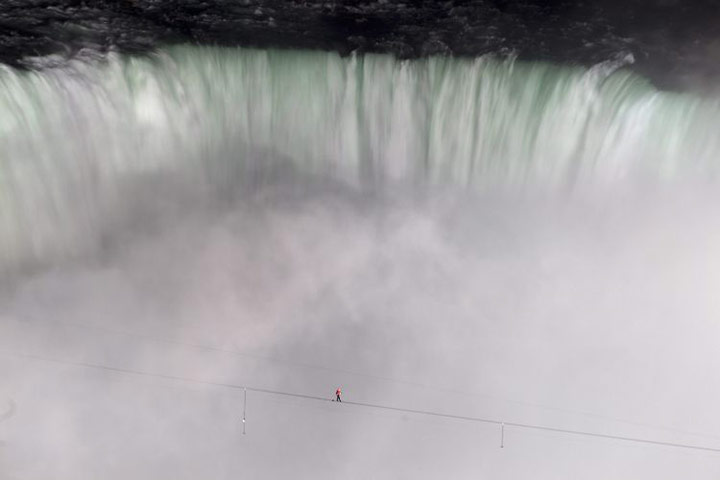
x=73 y=138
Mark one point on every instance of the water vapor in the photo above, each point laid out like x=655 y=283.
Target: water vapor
x=557 y=274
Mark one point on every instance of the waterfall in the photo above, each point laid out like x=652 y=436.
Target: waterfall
x=74 y=138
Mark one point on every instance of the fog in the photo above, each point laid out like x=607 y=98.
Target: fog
x=587 y=307
x=581 y=312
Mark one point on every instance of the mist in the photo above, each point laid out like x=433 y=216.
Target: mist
x=577 y=297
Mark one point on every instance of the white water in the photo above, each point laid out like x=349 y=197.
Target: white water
x=473 y=226
x=73 y=139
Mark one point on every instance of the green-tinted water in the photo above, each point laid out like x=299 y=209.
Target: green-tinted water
x=73 y=138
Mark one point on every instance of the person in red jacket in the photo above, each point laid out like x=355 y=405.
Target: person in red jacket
x=338 y=392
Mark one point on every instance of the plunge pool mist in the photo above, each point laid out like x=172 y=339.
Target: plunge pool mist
x=507 y=240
